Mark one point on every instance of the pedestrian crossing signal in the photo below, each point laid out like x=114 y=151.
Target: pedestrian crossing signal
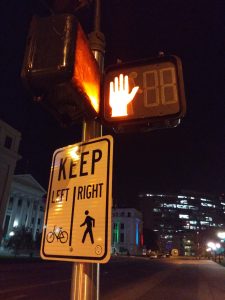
x=144 y=95
x=60 y=70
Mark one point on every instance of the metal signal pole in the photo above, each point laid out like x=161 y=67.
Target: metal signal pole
x=85 y=276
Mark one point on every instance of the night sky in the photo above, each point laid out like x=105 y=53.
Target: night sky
x=189 y=157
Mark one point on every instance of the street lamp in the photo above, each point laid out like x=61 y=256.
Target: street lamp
x=214 y=247
x=221 y=235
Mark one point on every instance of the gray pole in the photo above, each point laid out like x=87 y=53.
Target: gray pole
x=85 y=276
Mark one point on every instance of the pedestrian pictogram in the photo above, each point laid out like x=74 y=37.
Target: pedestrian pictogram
x=120 y=96
x=77 y=224
x=89 y=222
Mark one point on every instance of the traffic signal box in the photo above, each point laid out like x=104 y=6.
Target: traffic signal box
x=60 y=70
x=144 y=95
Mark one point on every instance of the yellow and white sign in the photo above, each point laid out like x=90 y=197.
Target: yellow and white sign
x=78 y=211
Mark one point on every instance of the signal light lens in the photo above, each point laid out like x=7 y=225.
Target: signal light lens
x=148 y=93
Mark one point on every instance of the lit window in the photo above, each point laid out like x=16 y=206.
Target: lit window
x=181 y=216
x=192 y=207
x=206 y=200
x=168 y=237
x=183 y=201
x=169 y=205
x=204 y=223
x=192 y=227
x=156 y=209
x=182 y=206
x=207 y=204
x=193 y=222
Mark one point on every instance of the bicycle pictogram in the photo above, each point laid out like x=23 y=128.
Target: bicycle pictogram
x=57 y=233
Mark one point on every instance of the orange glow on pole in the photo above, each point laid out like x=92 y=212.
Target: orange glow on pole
x=119 y=95
x=86 y=76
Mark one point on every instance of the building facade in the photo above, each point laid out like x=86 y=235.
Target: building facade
x=9 y=145
x=25 y=206
x=127 y=231
x=183 y=221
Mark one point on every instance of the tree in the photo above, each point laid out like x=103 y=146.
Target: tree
x=21 y=240
x=37 y=243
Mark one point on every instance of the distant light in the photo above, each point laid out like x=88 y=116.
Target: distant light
x=74 y=153
x=218 y=245
x=193 y=222
x=181 y=216
x=15 y=223
x=117 y=232
x=12 y=233
x=213 y=245
x=137 y=234
x=221 y=235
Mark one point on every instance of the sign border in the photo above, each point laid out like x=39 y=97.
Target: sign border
x=109 y=140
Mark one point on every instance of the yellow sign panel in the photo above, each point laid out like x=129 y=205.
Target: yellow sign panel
x=78 y=211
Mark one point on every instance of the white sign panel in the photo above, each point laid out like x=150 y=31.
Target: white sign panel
x=77 y=223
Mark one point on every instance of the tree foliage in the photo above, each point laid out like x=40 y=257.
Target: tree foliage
x=21 y=240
